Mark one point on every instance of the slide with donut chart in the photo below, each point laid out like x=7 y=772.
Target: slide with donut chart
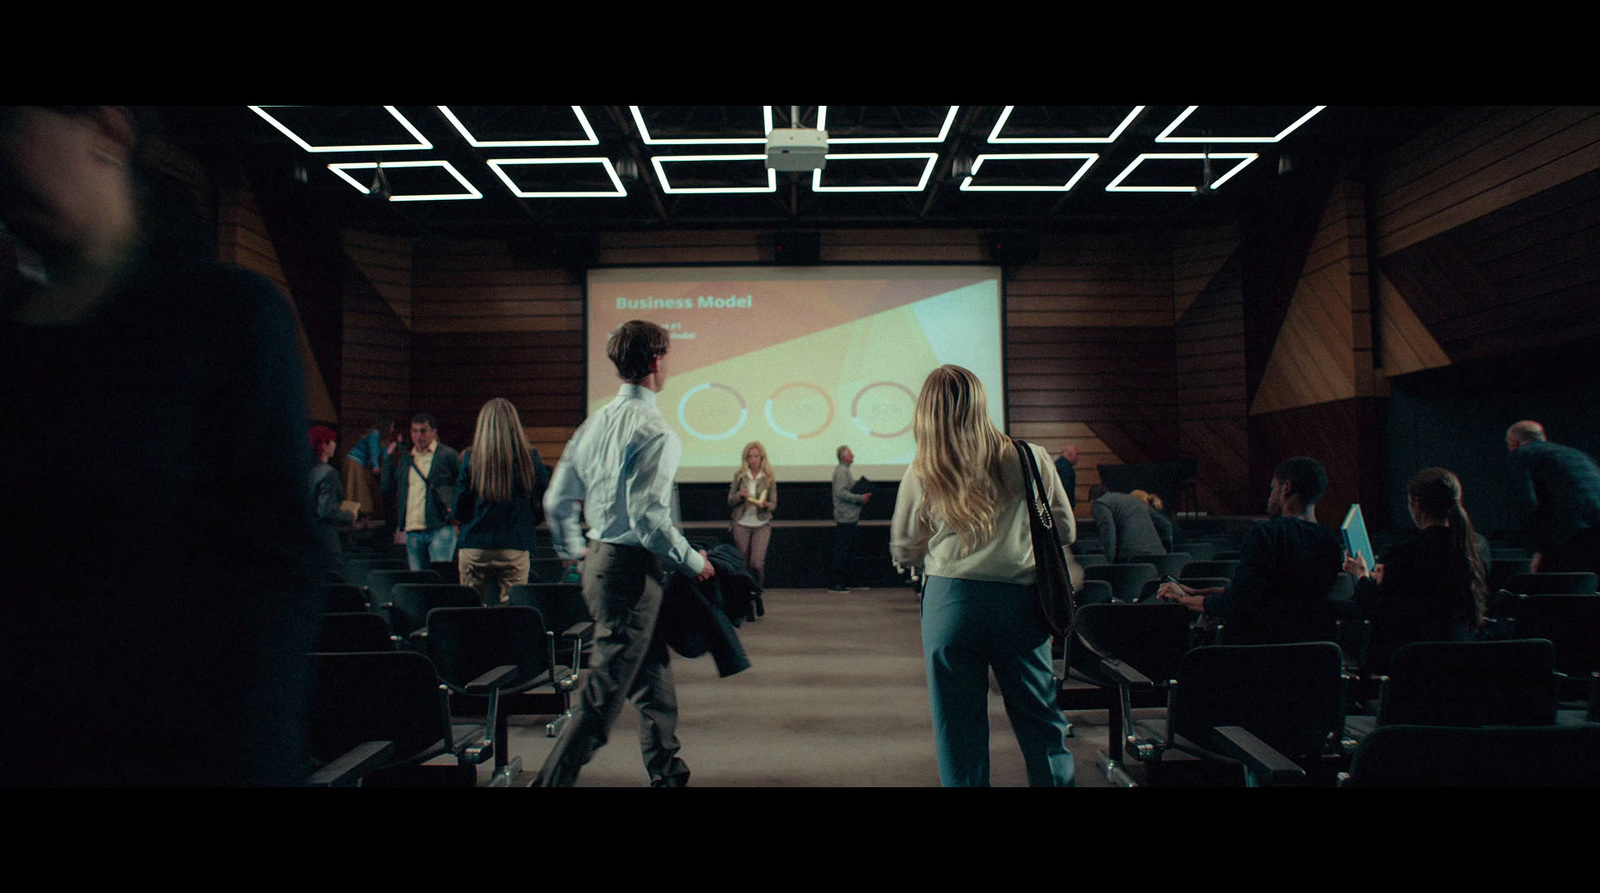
x=802 y=359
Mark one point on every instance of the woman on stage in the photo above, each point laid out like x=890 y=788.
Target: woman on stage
x=752 y=496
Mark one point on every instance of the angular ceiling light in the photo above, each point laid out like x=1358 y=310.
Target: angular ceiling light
x=1088 y=159
x=583 y=121
x=1244 y=158
x=929 y=159
x=471 y=191
x=1005 y=115
x=1166 y=135
x=499 y=165
x=644 y=133
x=421 y=141
x=659 y=161
x=944 y=131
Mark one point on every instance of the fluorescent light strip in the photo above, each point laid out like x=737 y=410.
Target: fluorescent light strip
x=1165 y=138
x=496 y=165
x=1005 y=114
x=1089 y=159
x=927 y=169
x=944 y=131
x=421 y=142
x=667 y=187
x=583 y=122
x=1244 y=158
x=644 y=132
x=472 y=191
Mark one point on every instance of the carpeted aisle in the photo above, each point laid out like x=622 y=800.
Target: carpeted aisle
x=836 y=697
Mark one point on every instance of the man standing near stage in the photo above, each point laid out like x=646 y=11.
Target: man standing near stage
x=620 y=464
x=846 y=519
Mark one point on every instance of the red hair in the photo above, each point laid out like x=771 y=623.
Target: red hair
x=320 y=435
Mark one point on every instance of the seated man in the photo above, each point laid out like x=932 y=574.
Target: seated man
x=1128 y=525
x=1287 y=566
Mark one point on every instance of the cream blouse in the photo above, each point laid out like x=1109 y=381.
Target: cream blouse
x=1007 y=557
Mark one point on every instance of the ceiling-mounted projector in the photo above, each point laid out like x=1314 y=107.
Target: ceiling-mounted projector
x=797 y=149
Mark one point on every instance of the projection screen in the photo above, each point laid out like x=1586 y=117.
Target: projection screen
x=802 y=359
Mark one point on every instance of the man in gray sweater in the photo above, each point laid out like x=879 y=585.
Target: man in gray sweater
x=846 y=515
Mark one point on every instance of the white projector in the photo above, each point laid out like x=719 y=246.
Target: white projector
x=797 y=149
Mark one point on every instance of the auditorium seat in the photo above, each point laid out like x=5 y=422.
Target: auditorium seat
x=1289 y=698
x=467 y=647
x=1125 y=579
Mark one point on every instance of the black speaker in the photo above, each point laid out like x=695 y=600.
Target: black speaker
x=1014 y=247
x=795 y=248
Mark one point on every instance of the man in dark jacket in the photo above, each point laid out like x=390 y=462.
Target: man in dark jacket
x=422 y=484
x=1557 y=490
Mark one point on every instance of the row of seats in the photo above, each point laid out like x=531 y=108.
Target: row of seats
x=1276 y=714
x=403 y=656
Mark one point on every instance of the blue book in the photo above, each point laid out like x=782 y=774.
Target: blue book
x=1354 y=531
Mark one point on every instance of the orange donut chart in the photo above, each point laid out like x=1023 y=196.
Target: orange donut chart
x=790 y=434
x=856 y=404
x=683 y=419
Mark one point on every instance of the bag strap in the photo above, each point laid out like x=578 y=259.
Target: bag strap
x=1038 y=507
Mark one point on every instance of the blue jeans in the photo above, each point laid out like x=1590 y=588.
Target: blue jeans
x=425 y=546
x=969 y=627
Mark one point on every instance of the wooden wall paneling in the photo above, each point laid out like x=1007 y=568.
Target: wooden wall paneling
x=1274 y=247
x=386 y=262
x=1519 y=153
x=1522 y=276
x=541 y=373
x=1315 y=357
x=375 y=375
x=1210 y=367
x=1407 y=344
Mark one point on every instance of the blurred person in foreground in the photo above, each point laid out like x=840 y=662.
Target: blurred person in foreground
x=159 y=589
x=962 y=515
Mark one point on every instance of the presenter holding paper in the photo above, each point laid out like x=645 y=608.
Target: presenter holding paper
x=752 y=496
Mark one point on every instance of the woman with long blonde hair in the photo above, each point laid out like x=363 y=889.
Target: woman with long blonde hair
x=498 y=503
x=962 y=515
x=752 y=496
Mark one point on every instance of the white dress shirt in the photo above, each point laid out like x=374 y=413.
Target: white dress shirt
x=620 y=463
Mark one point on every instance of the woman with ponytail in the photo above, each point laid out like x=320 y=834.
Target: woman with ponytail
x=1432 y=588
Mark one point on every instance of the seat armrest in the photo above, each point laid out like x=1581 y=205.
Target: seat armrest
x=1126 y=675
x=583 y=631
x=347 y=769
x=491 y=680
x=1257 y=756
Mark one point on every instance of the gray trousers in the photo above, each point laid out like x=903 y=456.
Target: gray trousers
x=622 y=587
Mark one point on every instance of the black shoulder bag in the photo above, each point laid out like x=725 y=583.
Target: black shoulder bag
x=1057 y=600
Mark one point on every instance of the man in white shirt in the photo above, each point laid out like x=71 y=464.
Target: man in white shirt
x=620 y=463
x=422 y=483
